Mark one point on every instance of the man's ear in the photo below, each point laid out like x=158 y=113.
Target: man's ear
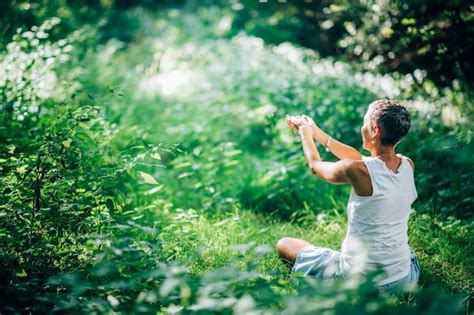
x=375 y=130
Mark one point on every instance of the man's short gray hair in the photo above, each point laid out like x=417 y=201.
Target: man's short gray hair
x=392 y=118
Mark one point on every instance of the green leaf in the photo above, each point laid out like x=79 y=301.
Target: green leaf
x=232 y=153
x=67 y=143
x=156 y=156
x=21 y=274
x=11 y=149
x=182 y=165
x=231 y=163
x=154 y=190
x=185 y=174
x=22 y=169
x=408 y=21
x=148 y=178
x=113 y=300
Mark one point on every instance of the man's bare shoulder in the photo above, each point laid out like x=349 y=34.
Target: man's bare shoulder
x=356 y=168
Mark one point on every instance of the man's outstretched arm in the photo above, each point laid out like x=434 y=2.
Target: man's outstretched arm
x=339 y=149
x=333 y=172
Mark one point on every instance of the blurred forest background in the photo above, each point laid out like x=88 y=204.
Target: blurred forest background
x=146 y=166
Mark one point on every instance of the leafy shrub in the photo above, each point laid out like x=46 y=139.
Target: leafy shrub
x=61 y=176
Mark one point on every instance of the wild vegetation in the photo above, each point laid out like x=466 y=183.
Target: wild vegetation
x=146 y=166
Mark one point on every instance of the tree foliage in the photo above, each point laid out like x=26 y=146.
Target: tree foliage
x=434 y=37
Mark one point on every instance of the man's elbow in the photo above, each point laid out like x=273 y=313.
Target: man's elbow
x=337 y=174
x=357 y=156
x=335 y=179
x=331 y=178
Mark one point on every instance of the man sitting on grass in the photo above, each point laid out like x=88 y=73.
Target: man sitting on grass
x=383 y=190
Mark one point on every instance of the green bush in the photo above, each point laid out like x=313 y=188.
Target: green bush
x=62 y=175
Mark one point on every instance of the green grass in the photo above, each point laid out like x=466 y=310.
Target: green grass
x=214 y=237
x=439 y=246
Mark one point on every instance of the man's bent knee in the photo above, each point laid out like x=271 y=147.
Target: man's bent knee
x=282 y=244
x=283 y=248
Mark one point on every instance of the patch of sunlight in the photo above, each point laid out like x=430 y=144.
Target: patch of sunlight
x=169 y=75
x=451 y=116
x=290 y=52
x=329 y=68
x=379 y=84
x=251 y=42
x=44 y=86
x=422 y=106
x=168 y=61
x=167 y=83
x=262 y=112
x=376 y=83
x=225 y=24
x=299 y=57
x=286 y=134
x=112 y=46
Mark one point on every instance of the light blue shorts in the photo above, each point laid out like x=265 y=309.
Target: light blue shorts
x=318 y=262
x=325 y=263
x=407 y=283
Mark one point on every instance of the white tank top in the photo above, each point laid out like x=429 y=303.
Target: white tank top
x=377 y=224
